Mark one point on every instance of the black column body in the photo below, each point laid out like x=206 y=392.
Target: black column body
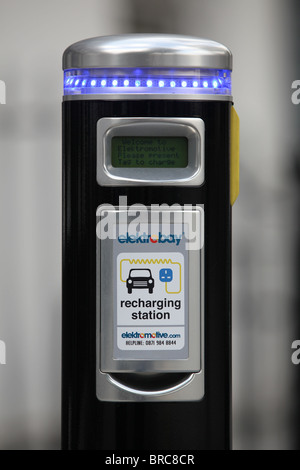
x=88 y=423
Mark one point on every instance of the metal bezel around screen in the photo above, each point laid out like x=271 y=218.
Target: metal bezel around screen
x=191 y=128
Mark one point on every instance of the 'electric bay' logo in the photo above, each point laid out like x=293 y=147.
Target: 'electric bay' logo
x=145 y=238
x=2 y=92
x=2 y=353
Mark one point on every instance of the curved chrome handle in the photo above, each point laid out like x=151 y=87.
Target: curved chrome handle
x=152 y=393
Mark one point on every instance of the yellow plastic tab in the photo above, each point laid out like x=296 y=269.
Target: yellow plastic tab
x=234 y=156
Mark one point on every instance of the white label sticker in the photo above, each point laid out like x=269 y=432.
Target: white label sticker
x=151 y=304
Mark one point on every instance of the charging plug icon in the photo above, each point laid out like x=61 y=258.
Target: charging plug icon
x=166 y=275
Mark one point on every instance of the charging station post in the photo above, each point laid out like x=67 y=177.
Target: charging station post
x=147 y=299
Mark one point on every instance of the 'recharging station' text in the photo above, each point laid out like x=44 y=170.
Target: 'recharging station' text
x=154 y=305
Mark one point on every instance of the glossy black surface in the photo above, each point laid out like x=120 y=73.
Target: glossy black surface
x=86 y=422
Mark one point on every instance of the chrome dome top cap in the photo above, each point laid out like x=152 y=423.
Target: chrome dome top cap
x=147 y=50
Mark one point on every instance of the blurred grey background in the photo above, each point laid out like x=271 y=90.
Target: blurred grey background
x=263 y=36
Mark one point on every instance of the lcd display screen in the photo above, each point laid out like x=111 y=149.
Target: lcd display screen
x=149 y=152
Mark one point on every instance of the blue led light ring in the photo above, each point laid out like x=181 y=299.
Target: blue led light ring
x=89 y=82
